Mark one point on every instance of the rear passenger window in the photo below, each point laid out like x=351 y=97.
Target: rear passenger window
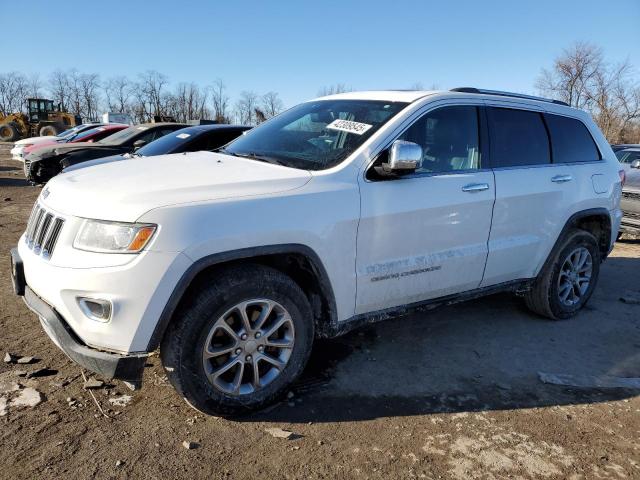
x=518 y=138
x=571 y=142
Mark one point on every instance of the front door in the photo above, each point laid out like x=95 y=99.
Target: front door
x=424 y=235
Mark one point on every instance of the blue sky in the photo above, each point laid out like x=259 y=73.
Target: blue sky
x=297 y=47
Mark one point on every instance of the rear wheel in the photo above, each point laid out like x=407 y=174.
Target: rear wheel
x=9 y=132
x=48 y=131
x=568 y=279
x=239 y=341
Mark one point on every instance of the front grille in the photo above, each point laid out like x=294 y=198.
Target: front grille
x=43 y=230
x=631 y=195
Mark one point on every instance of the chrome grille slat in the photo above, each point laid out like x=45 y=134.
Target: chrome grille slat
x=43 y=230
x=36 y=225
x=50 y=243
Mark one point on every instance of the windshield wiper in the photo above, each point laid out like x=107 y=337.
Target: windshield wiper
x=253 y=156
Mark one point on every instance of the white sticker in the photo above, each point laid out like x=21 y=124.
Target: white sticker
x=349 y=126
x=183 y=135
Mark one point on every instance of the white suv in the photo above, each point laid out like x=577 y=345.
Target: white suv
x=338 y=212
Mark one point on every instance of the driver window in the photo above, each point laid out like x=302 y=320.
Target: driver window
x=449 y=139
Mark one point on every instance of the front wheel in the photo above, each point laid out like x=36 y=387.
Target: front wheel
x=239 y=340
x=568 y=279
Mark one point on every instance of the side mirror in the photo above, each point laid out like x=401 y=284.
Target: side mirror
x=635 y=164
x=139 y=144
x=404 y=156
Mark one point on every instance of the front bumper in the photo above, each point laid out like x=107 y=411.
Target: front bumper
x=107 y=365
x=17 y=153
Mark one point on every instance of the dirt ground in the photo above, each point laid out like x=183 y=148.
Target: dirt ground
x=452 y=393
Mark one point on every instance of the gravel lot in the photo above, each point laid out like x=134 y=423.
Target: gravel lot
x=452 y=393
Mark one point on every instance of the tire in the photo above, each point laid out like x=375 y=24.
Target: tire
x=48 y=131
x=210 y=302
x=545 y=296
x=9 y=132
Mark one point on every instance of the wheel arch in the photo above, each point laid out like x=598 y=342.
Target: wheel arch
x=298 y=261
x=594 y=220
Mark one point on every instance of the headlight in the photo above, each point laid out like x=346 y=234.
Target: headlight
x=113 y=237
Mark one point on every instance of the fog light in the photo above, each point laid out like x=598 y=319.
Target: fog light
x=95 y=309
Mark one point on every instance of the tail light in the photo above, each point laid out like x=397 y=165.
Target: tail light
x=623 y=177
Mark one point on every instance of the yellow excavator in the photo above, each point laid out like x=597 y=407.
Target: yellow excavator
x=42 y=118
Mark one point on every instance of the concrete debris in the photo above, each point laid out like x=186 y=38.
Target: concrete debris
x=29 y=397
x=280 y=433
x=41 y=372
x=8 y=358
x=25 y=360
x=189 y=445
x=8 y=387
x=20 y=373
x=121 y=401
x=631 y=299
x=119 y=463
x=92 y=384
x=589 y=381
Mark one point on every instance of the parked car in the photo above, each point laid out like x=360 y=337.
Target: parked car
x=45 y=163
x=88 y=136
x=622 y=146
x=17 y=152
x=627 y=156
x=338 y=212
x=630 y=202
x=190 y=139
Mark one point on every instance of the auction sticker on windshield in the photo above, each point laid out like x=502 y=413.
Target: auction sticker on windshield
x=349 y=126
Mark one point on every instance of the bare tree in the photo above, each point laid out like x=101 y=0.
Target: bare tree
x=220 y=101
x=90 y=94
x=118 y=92
x=271 y=104
x=246 y=106
x=35 y=85
x=59 y=88
x=13 y=91
x=150 y=91
x=582 y=78
x=188 y=102
x=333 y=89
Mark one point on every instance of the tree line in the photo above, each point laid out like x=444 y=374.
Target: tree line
x=148 y=95
x=580 y=76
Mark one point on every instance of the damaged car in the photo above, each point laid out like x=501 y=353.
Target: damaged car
x=190 y=139
x=46 y=163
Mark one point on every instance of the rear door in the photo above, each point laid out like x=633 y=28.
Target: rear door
x=534 y=196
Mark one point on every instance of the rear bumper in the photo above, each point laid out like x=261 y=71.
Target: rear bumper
x=107 y=365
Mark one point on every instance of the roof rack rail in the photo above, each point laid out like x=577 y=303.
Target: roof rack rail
x=507 y=94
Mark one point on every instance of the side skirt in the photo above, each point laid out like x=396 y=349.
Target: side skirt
x=357 y=321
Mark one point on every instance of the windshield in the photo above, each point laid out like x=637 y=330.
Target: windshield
x=168 y=143
x=123 y=135
x=315 y=135
x=86 y=133
x=625 y=156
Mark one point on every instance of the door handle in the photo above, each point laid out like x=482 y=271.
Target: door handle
x=561 y=178
x=475 y=187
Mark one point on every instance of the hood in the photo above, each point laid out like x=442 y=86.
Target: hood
x=96 y=161
x=64 y=148
x=123 y=191
x=36 y=140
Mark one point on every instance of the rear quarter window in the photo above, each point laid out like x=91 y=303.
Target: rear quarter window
x=571 y=141
x=518 y=138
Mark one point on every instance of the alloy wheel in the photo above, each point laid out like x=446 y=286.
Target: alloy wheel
x=575 y=276
x=248 y=346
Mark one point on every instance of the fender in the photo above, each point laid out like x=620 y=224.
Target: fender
x=244 y=254
x=572 y=222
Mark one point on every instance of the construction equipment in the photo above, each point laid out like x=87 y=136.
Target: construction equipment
x=42 y=119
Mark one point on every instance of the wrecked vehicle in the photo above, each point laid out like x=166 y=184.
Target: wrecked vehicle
x=190 y=139
x=47 y=162
x=343 y=210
